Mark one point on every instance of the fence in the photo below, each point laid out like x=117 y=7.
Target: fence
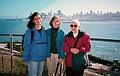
x=12 y=52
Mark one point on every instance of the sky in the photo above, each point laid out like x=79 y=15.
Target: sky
x=23 y=8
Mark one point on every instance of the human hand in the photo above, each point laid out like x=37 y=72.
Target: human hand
x=74 y=50
x=25 y=63
x=48 y=59
x=61 y=61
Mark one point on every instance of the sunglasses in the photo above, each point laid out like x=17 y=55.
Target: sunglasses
x=73 y=25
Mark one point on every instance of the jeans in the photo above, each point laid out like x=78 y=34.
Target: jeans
x=35 y=68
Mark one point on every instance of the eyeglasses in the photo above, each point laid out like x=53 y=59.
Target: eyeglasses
x=73 y=26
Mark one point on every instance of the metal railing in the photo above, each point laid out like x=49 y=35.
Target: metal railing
x=105 y=40
x=20 y=35
x=11 y=49
x=94 y=39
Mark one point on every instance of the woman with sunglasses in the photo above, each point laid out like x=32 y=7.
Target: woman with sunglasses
x=82 y=47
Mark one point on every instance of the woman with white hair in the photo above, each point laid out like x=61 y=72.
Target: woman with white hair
x=76 y=45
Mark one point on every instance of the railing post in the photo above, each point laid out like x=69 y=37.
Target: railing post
x=11 y=50
x=2 y=64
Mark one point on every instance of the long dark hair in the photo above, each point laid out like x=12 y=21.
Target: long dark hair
x=53 y=18
x=30 y=23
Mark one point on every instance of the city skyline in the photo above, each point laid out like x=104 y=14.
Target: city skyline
x=69 y=6
x=88 y=16
x=23 y=8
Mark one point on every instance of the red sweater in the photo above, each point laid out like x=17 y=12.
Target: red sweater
x=83 y=45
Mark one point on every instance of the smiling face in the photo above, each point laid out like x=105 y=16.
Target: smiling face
x=56 y=22
x=75 y=25
x=37 y=20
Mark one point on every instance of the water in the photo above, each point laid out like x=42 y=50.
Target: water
x=97 y=29
x=102 y=29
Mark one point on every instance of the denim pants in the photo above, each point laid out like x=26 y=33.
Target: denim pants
x=35 y=68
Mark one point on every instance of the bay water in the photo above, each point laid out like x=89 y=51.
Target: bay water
x=96 y=29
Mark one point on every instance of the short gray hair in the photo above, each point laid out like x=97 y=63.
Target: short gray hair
x=77 y=21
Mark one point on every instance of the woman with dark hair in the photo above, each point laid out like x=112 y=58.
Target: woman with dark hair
x=35 y=45
x=55 y=37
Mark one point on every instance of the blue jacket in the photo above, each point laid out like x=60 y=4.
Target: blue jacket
x=37 y=49
x=59 y=42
